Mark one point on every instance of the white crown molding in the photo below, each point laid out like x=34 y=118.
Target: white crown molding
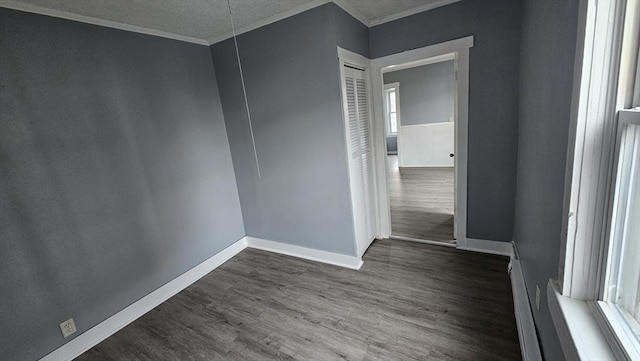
x=83 y=342
x=270 y=20
x=16 y=5
x=291 y=12
x=409 y=12
x=352 y=11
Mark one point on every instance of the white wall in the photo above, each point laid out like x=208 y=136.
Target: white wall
x=426 y=145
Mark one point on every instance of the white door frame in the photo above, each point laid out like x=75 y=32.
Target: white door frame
x=460 y=47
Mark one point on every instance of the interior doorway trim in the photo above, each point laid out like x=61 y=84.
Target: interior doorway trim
x=460 y=49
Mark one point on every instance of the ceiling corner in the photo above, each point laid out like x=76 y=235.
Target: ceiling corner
x=352 y=11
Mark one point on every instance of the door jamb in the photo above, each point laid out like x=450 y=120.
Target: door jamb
x=461 y=48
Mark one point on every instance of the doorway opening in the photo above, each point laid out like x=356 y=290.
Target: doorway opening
x=419 y=111
x=420 y=100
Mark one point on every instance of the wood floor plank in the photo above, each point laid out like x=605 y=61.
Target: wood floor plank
x=421 y=201
x=409 y=301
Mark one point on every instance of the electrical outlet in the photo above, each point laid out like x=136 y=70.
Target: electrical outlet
x=68 y=328
x=537 y=298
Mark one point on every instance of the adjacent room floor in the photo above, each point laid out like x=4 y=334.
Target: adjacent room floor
x=421 y=201
x=410 y=301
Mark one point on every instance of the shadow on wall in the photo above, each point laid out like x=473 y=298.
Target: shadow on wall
x=116 y=173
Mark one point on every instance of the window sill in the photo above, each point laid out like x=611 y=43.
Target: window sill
x=580 y=335
x=611 y=318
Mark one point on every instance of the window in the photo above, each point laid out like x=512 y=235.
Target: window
x=601 y=264
x=391 y=107
x=621 y=293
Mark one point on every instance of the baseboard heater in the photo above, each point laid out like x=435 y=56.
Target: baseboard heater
x=529 y=345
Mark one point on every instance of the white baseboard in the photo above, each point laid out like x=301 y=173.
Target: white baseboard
x=113 y=324
x=529 y=345
x=311 y=254
x=485 y=246
x=83 y=342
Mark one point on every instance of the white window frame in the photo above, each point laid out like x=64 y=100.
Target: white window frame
x=624 y=343
x=604 y=74
x=387 y=88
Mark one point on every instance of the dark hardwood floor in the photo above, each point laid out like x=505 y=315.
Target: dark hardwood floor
x=410 y=301
x=421 y=201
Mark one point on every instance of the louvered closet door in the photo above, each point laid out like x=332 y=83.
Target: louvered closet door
x=358 y=125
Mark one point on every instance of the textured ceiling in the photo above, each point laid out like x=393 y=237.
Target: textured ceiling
x=204 y=21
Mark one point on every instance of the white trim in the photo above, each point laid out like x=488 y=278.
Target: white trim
x=364 y=248
x=426 y=166
x=342 y=4
x=396 y=87
x=352 y=11
x=417 y=56
x=565 y=259
x=579 y=333
x=311 y=254
x=615 y=326
x=419 y=9
x=618 y=333
x=425 y=125
x=593 y=132
x=529 y=345
x=353 y=58
x=17 y=5
x=113 y=324
x=421 y=62
x=425 y=241
x=602 y=55
x=461 y=48
x=486 y=246
x=83 y=342
x=270 y=20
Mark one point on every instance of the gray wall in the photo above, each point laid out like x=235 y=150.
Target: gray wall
x=350 y=33
x=293 y=87
x=116 y=173
x=493 y=98
x=392 y=144
x=547 y=56
x=426 y=93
